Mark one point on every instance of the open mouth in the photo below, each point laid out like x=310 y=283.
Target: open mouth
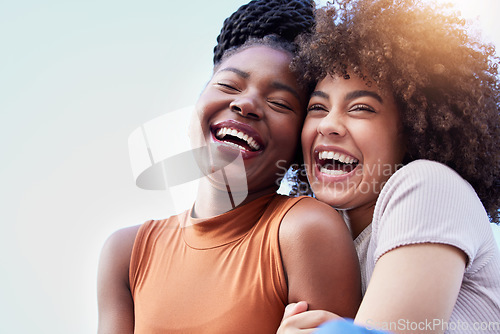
x=335 y=163
x=237 y=138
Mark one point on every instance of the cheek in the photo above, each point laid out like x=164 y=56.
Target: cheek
x=401 y=146
x=195 y=131
x=308 y=135
x=287 y=136
x=210 y=102
x=394 y=147
x=384 y=154
x=286 y=127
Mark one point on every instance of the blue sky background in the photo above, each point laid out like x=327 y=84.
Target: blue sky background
x=76 y=78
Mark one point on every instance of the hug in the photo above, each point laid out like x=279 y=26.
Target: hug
x=391 y=107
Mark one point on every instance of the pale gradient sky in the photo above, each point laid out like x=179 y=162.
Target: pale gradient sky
x=77 y=77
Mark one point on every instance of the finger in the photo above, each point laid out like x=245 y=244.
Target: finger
x=289 y=330
x=308 y=319
x=295 y=308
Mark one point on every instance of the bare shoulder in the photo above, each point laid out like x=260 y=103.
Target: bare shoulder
x=319 y=259
x=121 y=240
x=115 y=302
x=310 y=224
x=115 y=256
x=311 y=216
x=116 y=253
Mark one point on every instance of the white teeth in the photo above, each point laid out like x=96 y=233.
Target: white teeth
x=332 y=171
x=324 y=155
x=222 y=132
x=235 y=145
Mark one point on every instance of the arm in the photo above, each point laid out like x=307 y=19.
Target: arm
x=115 y=304
x=412 y=284
x=415 y=283
x=319 y=258
x=413 y=279
x=422 y=280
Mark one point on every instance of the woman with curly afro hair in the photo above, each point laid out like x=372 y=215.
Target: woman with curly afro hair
x=402 y=136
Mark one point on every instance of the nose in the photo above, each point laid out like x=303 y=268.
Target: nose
x=332 y=125
x=247 y=106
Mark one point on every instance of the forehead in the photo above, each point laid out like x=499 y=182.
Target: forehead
x=336 y=80
x=259 y=59
x=339 y=85
x=340 y=89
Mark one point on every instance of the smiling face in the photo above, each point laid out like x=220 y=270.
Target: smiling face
x=352 y=142
x=252 y=106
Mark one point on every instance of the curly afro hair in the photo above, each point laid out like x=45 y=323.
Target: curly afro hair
x=444 y=79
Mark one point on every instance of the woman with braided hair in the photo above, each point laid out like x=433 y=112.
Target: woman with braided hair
x=284 y=18
x=233 y=262
x=402 y=136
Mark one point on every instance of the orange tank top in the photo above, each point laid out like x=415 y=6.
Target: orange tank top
x=221 y=275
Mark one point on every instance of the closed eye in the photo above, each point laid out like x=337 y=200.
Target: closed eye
x=362 y=108
x=316 y=108
x=280 y=105
x=227 y=86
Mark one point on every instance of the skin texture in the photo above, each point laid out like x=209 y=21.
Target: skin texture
x=254 y=87
x=320 y=264
x=269 y=102
x=422 y=280
x=418 y=292
x=115 y=303
x=347 y=116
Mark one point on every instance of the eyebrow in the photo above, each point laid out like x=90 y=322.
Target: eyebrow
x=361 y=93
x=282 y=86
x=274 y=84
x=241 y=73
x=321 y=94
x=350 y=95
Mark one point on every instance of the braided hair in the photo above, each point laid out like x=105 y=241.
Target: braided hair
x=258 y=18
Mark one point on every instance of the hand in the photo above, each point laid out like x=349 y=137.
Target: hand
x=298 y=320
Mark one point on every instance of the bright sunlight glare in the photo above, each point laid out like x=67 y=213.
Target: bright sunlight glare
x=483 y=15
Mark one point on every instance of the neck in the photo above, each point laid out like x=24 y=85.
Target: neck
x=213 y=200
x=358 y=219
